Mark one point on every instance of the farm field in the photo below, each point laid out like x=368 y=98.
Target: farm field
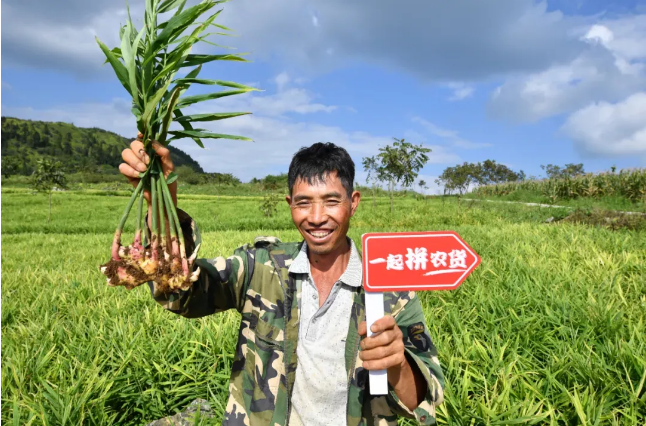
x=549 y=329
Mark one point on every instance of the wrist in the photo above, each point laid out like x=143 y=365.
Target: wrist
x=400 y=374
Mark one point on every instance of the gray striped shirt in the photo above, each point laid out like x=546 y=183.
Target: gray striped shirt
x=321 y=387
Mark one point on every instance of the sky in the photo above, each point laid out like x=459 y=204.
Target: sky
x=525 y=83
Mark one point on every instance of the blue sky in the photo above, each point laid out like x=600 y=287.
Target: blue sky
x=522 y=82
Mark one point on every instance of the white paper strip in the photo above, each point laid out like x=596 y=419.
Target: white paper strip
x=374 y=311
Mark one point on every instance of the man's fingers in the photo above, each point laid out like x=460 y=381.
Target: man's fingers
x=363 y=329
x=382 y=339
x=164 y=156
x=128 y=171
x=381 y=351
x=385 y=363
x=138 y=148
x=133 y=160
x=383 y=323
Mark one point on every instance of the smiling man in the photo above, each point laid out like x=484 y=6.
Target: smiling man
x=302 y=356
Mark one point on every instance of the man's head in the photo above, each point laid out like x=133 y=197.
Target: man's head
x=321 y=196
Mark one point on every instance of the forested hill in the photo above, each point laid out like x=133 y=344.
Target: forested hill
x=79 y=149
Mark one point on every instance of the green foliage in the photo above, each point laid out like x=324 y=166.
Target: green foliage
x=86 y=150
x=570 y=170
x=462 y=177
x=10 y=166
x=186 y=174
x=458 y=178
x=220 y=179
x=268 y=204
x=543 y=332
x=628 y=183
x=48 y=175
x=148 y=60
x=273 y=182
x=398 y=163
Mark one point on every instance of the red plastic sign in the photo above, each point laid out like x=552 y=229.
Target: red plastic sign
x=405 y=261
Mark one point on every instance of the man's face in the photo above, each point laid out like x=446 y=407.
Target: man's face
x=322 y=212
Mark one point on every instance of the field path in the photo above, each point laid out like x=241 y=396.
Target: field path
x=544 y=205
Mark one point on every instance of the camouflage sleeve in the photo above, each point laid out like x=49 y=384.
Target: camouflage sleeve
x=422 y=355
x=221 y=285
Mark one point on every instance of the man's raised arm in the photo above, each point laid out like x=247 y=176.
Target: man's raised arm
x=220 y=284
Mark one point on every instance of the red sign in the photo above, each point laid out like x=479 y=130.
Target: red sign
x=405 y=261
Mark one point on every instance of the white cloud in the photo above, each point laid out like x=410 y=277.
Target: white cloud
x=609 y=69
x=461 y=91
x=39 y=41
x=273 y=127
x=435 y=41
x=286 y=100
x=605 y=129
x=450 y=135
x=282 y=80
x=439 y=41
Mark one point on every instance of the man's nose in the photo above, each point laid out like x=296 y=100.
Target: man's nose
x=317 y=214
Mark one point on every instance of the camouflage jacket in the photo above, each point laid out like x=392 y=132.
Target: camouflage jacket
x=255 y=281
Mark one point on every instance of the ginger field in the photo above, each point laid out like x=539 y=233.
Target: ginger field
x=549 y=329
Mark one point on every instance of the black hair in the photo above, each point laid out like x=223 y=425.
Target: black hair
x=313 y=163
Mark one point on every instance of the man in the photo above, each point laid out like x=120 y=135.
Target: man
x=302 y=357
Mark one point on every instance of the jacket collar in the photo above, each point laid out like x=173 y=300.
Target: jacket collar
x=352 y=276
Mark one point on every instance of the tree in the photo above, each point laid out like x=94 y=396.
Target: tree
x=370 y=166
x=10 y=166
x=186 y=174
x=568 y=171
x=47 y=176
x=422 y=185
x=490 y=173
x=399 y=163
x=458 y=178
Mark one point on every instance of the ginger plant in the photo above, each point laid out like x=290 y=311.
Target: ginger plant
x=146 y=64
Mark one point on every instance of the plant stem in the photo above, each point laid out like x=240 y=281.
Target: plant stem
x=154 y=231
x=116 y=242
x=138 y=225
x=163 y=232
x=171 y=222
x=180 y=234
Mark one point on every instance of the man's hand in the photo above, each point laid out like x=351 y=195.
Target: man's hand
x=136 y=160
x=385 y=351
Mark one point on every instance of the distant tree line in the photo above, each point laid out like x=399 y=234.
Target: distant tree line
x=85 y=150
x=462 y=177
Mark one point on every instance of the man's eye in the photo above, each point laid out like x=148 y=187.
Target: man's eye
x=332 y=202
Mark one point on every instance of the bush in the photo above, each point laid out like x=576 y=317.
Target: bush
x=188 y=175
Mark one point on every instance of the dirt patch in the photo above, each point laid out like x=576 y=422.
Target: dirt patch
x=608 y=219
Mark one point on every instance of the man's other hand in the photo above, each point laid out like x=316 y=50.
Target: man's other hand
x=385 y=349
x=136 y=161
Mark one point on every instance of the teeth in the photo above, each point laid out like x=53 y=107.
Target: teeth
x=320 y=234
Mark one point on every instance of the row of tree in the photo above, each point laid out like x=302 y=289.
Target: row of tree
x=463 y=177
x=85 y=150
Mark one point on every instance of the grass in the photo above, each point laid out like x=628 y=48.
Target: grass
x=611 y=202
x=549 y=329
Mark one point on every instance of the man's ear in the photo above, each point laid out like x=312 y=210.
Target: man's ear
x=356 y=198
x=288 y=199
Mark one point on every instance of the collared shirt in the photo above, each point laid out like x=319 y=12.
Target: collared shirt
x=321 y=386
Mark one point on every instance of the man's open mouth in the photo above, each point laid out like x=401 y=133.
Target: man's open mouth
x=320 y=235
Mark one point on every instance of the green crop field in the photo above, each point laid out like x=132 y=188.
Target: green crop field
x=549 y=329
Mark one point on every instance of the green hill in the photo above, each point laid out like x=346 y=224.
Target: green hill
x=79 y=149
